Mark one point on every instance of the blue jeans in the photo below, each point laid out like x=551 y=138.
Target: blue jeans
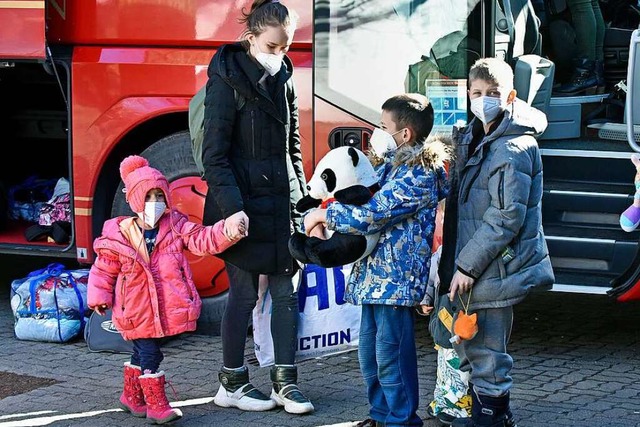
x=147 y=354
x=388 y=361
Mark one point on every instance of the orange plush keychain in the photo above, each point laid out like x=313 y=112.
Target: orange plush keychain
x=465 y=325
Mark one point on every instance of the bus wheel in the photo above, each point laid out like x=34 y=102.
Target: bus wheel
x=172 y=156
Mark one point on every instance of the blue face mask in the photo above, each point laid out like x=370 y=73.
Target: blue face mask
x=487 y=108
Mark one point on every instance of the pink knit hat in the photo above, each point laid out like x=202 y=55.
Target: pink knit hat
x=139 y=178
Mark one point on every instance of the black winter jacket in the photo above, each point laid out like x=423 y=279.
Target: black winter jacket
x=252 y=158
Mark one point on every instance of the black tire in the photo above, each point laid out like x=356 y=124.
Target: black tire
x=172 y=156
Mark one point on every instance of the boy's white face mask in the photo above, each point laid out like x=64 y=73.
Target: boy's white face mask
x=487 y=108
x=382 y=141
x=152 y=213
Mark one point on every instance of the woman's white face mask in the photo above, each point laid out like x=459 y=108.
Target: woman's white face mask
x=275 y=39
x=271 y=62
x=152 y=213
x=382 y=141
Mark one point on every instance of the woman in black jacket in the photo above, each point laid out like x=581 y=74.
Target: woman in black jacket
x=253 y=168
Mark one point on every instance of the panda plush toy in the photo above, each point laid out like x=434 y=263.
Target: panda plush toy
x=345 y=175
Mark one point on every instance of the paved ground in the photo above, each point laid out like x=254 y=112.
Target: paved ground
x=576 y=359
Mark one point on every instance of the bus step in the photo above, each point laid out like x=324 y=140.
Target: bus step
x=615 y=131
x=590 y=169
x=590 y=253
x=588 y=208
x=588 y=232
x=583 y=282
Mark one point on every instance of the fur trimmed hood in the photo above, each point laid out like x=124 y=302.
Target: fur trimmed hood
x=434 y=153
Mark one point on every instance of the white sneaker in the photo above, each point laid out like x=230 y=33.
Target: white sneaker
x=246 y=398
x=292 y=399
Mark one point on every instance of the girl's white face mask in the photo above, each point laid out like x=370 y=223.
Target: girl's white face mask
x=152 y=213
x=487 y=108
x=382 y=141
x=271 y=62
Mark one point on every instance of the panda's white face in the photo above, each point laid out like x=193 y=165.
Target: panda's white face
x=340 y=168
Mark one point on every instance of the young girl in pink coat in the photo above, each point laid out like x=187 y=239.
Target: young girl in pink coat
x=142 y=274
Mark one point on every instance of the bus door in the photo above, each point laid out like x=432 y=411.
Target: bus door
x=588 y=175
x=626 y=287
x=368 y=51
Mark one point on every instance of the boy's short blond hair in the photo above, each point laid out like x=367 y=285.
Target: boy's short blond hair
x=493 y=70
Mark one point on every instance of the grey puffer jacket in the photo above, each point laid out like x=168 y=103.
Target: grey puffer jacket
x=499 y=195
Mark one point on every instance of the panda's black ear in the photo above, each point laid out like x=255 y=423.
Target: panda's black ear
x=354 y=156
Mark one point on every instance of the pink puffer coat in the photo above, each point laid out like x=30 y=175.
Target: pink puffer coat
x=154 y=296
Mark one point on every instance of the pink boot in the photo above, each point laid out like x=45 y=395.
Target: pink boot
x=158 y=409
x=132 y=398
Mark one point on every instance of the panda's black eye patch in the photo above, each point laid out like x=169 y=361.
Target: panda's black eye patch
x=329 y=178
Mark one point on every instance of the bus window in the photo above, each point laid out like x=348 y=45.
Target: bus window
x=368 y=51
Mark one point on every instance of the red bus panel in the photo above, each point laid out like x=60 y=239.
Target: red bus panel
x=22 y=29
x=160 y=22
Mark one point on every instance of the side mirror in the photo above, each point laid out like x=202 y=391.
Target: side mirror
x=632 y=107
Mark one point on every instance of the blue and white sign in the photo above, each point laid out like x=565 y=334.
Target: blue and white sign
x=449 y=100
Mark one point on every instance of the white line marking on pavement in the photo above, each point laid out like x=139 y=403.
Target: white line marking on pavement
x=29 y=414
x=351 y=424
x=191 y=402
x=43 y=421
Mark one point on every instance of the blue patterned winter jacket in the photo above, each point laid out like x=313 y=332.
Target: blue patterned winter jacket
x=413 y=180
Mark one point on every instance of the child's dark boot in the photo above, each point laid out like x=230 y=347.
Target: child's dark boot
x=488 y=411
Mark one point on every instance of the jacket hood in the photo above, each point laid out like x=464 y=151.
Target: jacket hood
x=235 y=66
x=521 y=119
x=433 y=154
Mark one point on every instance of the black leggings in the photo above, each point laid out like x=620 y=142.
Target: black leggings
x=243 y=294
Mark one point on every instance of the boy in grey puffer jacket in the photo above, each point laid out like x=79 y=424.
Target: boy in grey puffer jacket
x=495 y=210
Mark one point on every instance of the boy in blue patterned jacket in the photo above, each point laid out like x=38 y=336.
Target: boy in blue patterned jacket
x=392 y=280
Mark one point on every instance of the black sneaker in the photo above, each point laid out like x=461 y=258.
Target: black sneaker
x=370 y=422
x=445 y=419
x=430 y=413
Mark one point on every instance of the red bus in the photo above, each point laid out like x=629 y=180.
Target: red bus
x=84 y=84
